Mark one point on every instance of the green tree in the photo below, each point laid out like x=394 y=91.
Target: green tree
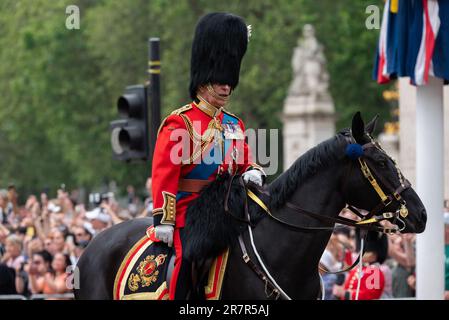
x=60 y=86
x=350 y=52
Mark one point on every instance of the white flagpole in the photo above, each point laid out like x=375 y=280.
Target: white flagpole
x=430 y=188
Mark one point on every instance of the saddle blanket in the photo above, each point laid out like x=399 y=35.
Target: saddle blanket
x=144 y=271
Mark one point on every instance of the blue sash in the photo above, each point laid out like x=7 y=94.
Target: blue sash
x=212 y=159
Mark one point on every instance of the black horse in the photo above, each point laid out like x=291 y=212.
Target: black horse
x=322 y=181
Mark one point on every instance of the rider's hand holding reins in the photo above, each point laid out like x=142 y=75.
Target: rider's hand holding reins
x=164 y=232
x=253 y=175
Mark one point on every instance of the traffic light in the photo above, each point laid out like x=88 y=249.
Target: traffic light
x=130 y=134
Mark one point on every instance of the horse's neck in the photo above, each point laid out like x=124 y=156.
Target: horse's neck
x=294 y=255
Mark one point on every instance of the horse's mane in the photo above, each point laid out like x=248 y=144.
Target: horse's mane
x=305 y=167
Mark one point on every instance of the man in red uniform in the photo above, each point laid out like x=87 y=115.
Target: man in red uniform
x=372 y=282
x=201 y=140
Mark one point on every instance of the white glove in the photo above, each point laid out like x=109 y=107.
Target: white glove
x=253 y=175
x=164 y=232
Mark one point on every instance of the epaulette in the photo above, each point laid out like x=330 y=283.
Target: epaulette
x=231 y=114
x=177 y=112
x=182 y=109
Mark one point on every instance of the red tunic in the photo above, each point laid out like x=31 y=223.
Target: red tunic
x=179 y=155
x=372 y=285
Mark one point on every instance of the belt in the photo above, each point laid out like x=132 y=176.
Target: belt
x=192 y=185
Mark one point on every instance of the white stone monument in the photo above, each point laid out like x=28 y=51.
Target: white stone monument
x=308 y=115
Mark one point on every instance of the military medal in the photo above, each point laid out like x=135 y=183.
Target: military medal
x=233 y=131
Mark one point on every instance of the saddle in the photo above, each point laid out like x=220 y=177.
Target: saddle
x=145 y=272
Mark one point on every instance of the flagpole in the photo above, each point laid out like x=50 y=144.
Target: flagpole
x=430 y=188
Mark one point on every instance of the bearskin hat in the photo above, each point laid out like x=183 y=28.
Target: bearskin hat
x=376 y=242
x=219 y=44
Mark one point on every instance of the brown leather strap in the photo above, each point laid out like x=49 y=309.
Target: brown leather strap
x=226 y=203
x=268 y=284
x=326 y=219
x=363 y=234
x=192 y=185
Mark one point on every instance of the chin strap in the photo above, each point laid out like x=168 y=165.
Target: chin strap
x=214 y=94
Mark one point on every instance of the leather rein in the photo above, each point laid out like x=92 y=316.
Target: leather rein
x=368 y=221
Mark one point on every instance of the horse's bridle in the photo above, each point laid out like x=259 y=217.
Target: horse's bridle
x=369 y=221
x=392 y=195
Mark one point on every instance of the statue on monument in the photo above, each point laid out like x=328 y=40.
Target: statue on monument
x=308 y=114
x=310 y=77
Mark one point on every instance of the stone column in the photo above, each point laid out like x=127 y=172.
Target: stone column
x=429 y=276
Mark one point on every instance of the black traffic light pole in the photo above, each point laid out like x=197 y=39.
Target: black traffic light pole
x=133 y=136
x=154 y=92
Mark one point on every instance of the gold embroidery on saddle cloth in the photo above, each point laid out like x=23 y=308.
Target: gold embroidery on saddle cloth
x=126 y=268
x=143 y=243
x=147 y=272
x=161 y=293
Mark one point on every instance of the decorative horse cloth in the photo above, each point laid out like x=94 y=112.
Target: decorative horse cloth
x=145 y=271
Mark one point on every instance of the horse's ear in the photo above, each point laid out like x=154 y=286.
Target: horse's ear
x=358 y=127
x=371 y=126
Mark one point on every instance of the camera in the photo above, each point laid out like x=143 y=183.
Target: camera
x=97 y=198
x=99 y=212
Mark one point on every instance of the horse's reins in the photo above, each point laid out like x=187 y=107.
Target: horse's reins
x=369 y=220
x=366 y=223
x=226 y=202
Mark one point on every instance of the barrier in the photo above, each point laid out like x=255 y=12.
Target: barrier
x=52 y=296
x=37 y=296
x=12 y=297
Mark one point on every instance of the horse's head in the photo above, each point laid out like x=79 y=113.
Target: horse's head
x=375 y=183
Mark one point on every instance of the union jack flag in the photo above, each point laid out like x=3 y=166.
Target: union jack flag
x=413 y=41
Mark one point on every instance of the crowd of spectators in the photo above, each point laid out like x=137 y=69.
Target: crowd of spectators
x=396 y=265
x=42 y=240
